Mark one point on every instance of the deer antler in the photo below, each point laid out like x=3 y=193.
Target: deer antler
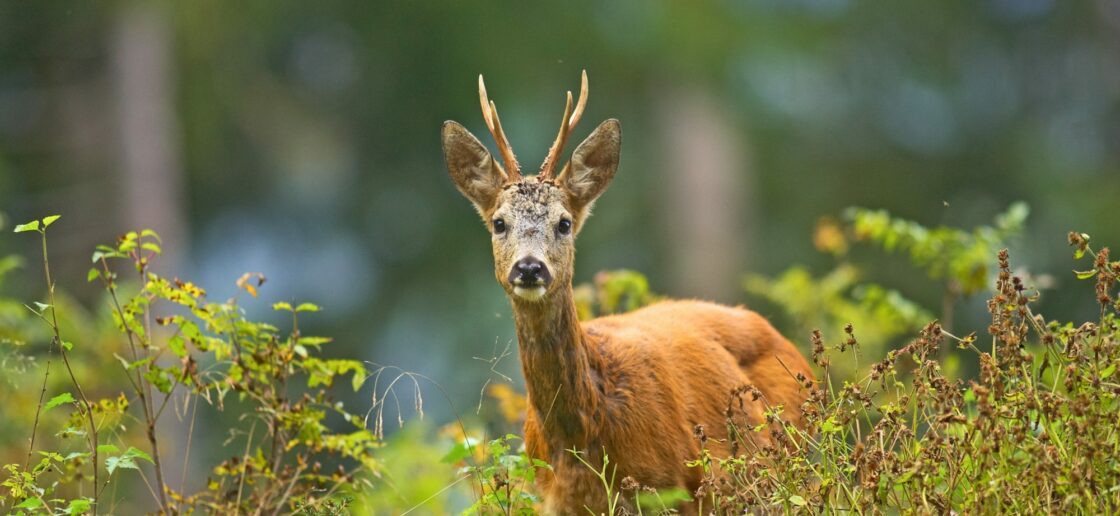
x=490 y=114
x=566 y=125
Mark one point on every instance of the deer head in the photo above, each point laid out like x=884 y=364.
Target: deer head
x=532 y=220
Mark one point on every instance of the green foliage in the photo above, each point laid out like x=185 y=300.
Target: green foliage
x=1034 y=432
x=125 y=460
x=613 y=292
x=963 y=257
x=172 y=341
x=65 y=397
x=414 y=477
x=506 y=476
x=837 y=298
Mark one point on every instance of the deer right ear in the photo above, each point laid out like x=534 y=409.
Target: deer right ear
x=593 y=166
x=473 y=169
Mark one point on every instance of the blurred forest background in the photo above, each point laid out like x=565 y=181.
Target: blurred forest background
x=301 y=141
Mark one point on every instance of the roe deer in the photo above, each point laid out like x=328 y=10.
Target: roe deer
x=632 y=386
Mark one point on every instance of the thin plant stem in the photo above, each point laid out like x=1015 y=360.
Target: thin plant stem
x=92 y=437
x=39 y=407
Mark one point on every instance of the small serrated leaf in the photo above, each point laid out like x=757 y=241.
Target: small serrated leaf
x=133 y=452
x=79 y=506
x=75 y=455
x=112 y=463
x=65 y=397
x=30 y=503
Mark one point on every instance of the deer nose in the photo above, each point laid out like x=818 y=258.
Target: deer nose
x=529 y=271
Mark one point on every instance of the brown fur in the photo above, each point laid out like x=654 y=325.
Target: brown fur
x=632 y=386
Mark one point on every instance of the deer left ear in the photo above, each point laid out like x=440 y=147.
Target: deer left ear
x=592 y=167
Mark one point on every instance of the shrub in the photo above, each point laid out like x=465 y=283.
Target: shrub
x=177 y=348
x=1034 y=432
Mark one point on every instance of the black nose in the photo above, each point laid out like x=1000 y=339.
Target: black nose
x=529 y=271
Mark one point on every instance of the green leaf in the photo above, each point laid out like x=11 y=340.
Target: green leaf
x=126 y=460
x=42 y=306
x=107 y=449
x=460 y=451
x=797 y=500
x=50 y=455
x=30 y=503
x=161 y=378
x=67 y=345
x=307 y=307
x=104 y=251
x=314 y=341
x=47 y=221
x=1085 y=274
x=112 y=463
x=152 y=234
x=904 y=477
x=133 y=452
x=30 y=226
x=358 y=379
x=177 y=346
x=151 y=246
x=282 y=306
x=65 y=397
x=93 y=274
x=1108 y=371
x=79 y=506
x=122 y=360
x=829 y=426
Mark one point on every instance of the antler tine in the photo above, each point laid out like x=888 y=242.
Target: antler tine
x=582 y=100
x=490 y=116
x=568 y=122
x=485 y=102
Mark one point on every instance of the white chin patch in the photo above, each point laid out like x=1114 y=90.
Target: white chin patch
x=529 y=293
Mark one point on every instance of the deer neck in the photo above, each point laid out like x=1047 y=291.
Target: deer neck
x=558 y=366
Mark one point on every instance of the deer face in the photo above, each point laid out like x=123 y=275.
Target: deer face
x=532 y=220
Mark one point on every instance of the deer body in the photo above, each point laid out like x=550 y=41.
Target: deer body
x=633 y=386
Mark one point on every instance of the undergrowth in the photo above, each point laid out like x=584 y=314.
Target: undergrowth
x=910 y=412
x=292 y=448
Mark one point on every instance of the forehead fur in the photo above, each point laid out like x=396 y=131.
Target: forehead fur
x=531 y=198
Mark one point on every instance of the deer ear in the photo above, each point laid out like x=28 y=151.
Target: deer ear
x=593 y=166
x=475 y=173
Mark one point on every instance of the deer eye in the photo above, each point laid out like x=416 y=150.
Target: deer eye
x=564 y=227
x=499 y=226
